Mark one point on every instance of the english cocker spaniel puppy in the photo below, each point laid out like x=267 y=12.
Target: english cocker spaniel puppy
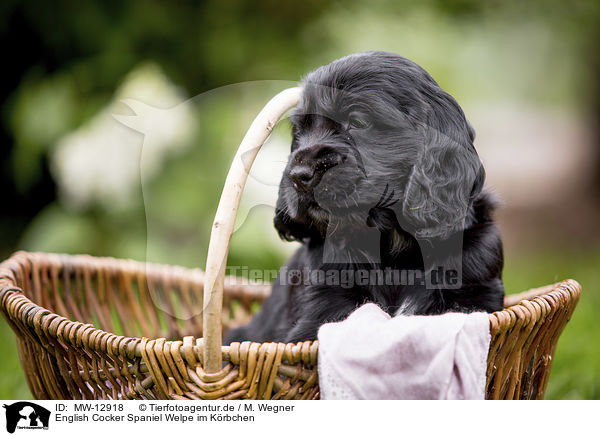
x=383 y=188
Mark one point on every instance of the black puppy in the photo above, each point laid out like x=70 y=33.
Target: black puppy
x=384 y=189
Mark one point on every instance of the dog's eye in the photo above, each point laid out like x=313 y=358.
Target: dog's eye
x=355 y=122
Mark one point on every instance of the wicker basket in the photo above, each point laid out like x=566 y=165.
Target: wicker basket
x=91 y=328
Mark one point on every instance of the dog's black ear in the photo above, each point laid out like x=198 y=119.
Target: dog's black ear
x=289 y=229
x=471 y=132
x=443 y=183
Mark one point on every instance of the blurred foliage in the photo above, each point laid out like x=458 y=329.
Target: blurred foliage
x=69 y=65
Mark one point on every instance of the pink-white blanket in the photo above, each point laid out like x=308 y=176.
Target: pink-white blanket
x=371 y=355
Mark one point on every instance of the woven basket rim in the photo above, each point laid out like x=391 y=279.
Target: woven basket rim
x=535 y=304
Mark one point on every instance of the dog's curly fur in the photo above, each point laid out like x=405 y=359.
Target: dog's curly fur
x=382 y=175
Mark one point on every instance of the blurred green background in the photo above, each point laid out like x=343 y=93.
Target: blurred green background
x=74 y=180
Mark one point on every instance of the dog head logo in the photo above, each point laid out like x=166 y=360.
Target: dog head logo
x=26 y=415
x=210 y=132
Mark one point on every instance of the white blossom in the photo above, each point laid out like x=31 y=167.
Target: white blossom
x=103 y=161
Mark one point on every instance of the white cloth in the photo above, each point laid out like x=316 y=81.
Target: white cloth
x=371 y=355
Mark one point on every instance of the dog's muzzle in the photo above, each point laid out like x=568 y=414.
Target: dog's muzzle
x=309 y=164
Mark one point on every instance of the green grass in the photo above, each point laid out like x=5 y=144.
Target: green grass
x=576 y=367
x=12 y=381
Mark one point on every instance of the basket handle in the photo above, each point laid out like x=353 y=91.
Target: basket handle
x=223 y=225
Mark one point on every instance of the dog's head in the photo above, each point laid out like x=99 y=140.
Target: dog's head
x=374 y=132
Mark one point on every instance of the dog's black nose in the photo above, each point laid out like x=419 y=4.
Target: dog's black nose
x=310 y=163
x=301 y=176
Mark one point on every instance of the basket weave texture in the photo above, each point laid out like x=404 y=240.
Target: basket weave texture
x=102 y=328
